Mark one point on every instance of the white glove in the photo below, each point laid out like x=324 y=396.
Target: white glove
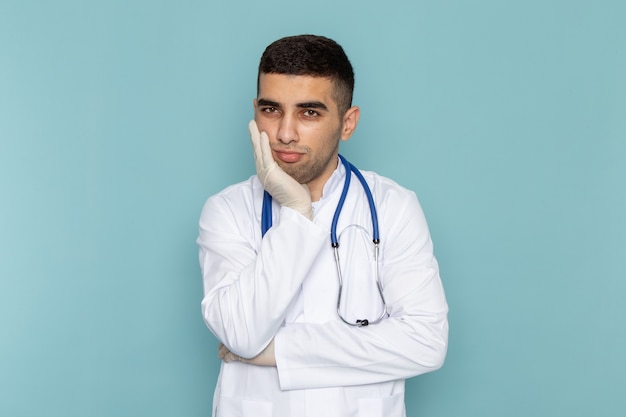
x=282 y=187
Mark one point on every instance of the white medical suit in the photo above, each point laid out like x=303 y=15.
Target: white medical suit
x=284 y=286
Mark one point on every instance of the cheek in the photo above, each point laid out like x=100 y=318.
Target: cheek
x=264 y=125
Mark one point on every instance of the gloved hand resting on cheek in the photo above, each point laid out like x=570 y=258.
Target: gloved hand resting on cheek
x=281 y=186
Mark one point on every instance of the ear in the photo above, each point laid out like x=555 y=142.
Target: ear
x=350 y=120
x=254 y=103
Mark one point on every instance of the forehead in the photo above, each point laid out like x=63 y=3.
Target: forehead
x=293 y=89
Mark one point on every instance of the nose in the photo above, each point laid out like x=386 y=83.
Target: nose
x=287 y=131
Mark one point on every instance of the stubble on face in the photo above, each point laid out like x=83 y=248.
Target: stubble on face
x=315 y=166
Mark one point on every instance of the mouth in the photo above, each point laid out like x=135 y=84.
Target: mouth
x=288 y=156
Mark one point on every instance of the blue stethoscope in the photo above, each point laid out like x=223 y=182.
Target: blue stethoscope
x=266 y=224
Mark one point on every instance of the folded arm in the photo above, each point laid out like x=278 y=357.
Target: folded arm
x=248 y=292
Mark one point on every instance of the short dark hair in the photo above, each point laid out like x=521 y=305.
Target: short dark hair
x=315 y=56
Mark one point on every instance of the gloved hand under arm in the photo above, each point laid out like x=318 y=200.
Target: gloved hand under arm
x=282 y=187
x=265 y=358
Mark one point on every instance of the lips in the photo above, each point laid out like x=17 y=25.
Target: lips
x=288 y=157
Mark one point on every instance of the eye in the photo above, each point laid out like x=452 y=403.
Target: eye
x=310 y=113
x=270 y=111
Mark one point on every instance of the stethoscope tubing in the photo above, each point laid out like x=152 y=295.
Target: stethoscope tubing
x=266 y=224
x=266 y=212
x=370 y=199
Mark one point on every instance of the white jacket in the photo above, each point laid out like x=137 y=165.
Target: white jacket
x=285 y=285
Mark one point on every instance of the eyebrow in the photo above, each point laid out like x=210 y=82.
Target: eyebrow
x=264 y=102
x=313 y=105
x=305 y=105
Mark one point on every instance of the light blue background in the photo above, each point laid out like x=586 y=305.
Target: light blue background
x=119 y=118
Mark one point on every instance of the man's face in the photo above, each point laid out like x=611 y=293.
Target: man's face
x=304 y=126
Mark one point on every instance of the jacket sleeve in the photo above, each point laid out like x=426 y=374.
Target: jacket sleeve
x=247 y=286
x=411 y=341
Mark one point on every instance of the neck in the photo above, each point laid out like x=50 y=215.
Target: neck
x=316 y=187
x=316 y=193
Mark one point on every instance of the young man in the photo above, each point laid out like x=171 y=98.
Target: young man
x=302 y=332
